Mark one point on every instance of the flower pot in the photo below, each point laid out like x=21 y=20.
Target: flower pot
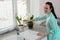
x=30 y=25
x=19 y=29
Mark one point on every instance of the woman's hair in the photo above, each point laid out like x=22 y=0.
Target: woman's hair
x=51 y=7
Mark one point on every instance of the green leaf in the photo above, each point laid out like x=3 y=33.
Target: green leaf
x=31 y=18
x=18 y=19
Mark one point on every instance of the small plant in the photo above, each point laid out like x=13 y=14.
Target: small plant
x=18 y=20
x=19 y=26
x=30 y=23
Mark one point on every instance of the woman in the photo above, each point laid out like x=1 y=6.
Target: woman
x=51 y=22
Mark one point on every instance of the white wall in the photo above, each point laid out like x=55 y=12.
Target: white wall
x=36 y=7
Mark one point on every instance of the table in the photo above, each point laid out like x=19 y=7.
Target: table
x=30 y=35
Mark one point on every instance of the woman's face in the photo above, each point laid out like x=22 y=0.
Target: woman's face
x=47 y=9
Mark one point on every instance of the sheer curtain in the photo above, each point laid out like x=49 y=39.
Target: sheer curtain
x=6 y=14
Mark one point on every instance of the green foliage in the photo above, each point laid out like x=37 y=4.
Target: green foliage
x=31 y=18
x=19 y=20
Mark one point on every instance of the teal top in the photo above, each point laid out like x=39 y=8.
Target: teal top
x=51 y=23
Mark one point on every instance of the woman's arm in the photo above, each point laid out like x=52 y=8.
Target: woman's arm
x=45 y=33
x=51 y=31
x=40 y=18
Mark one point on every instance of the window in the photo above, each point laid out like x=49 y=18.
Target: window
x=22 y=8
x=6 y=14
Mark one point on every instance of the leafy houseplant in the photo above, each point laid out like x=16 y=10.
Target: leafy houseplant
x=18 y=20
x=30 y=23
x=20 y=26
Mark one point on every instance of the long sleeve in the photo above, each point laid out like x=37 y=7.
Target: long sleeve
x=40 y=18
x=53 y=23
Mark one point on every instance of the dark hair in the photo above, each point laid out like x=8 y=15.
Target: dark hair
x=51 y=7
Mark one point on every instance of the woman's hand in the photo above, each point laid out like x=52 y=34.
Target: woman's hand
x=43 y=34
x=40 y=34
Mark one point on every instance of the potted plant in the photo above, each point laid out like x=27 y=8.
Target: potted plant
x=19 y=26
x=30 y=23
x=18 y=20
